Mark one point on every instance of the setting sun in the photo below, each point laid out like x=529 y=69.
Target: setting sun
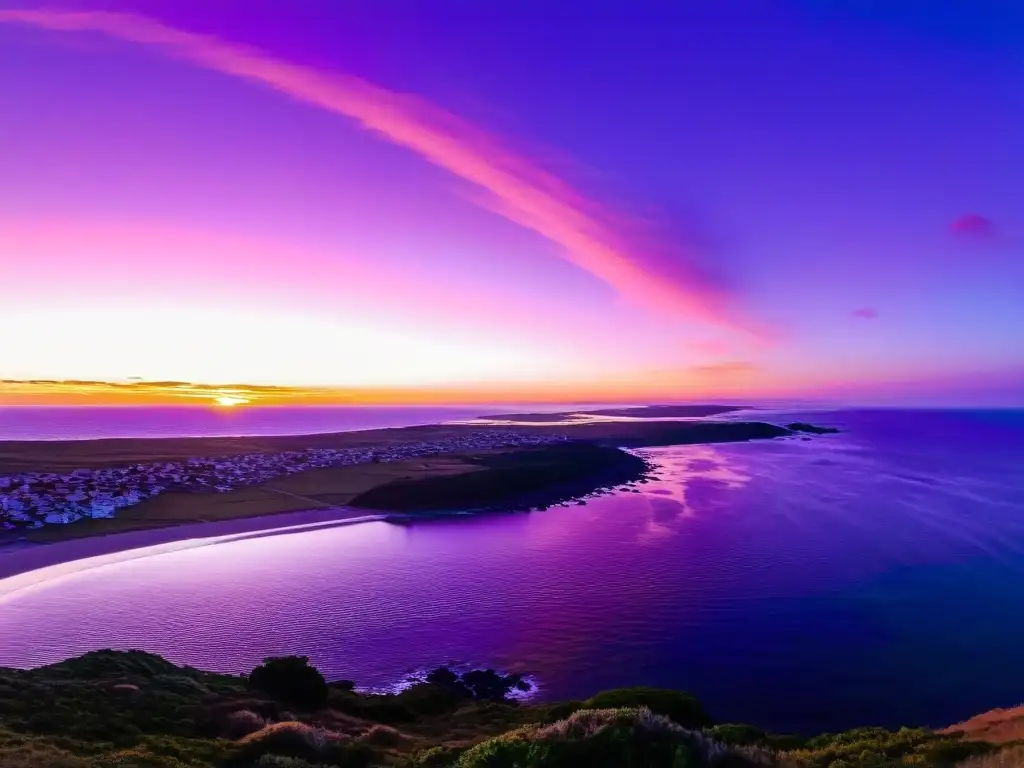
x=229 y=401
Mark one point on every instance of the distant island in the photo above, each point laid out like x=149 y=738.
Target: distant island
x=110 y=708
x=53 y=490
x=632 y=412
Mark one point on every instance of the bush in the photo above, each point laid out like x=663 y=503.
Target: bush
x=873 y=747
x=681 y=707
x=382 y=736
x=606 y=738
x=737 y=735
x=277 y=761
x=435 y=757
x=549 y=713
x=241 y=723
x=385 y=708
x=290 y=739
x=430 y=699
x=1009 y=757
x=291 y=679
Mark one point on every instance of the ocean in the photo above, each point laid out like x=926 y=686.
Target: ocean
x=82 y=423
x=873 y=577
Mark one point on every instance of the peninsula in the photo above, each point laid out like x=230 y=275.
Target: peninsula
x=52 y=490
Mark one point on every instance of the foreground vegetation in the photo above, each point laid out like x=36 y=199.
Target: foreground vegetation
x=108 y=709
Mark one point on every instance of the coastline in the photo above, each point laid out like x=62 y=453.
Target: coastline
x=19 y=558
x=464 y=467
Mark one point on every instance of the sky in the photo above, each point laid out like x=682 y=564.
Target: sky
x=511 y=200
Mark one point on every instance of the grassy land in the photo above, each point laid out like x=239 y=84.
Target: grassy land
x=536 y=476
x=110 y=709
x=68 y=455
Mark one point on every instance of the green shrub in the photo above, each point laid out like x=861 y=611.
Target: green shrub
x=378 y=708
x=435 y=757
x=879 y=748
x=606 y=738
x=241 y=723
x=681 y=707
x=430 y=699
x=741 y=735
x=291 y=679
x=291 y=739
x=549 y=713
x=382 y=736
x=278 y=761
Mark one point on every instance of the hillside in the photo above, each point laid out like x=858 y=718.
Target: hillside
x=109 y=709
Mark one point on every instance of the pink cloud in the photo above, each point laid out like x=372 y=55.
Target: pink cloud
x=647 y=271
x=866 y=313
x=973 y=226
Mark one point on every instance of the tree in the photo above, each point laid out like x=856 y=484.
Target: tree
x=291 y=679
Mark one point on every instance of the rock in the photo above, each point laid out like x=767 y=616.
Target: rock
x=799 y=426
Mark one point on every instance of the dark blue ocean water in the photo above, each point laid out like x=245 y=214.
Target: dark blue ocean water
x=871 y=577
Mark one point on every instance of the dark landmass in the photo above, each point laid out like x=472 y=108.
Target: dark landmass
x=646 y=434
x=107 y=709
x=635 y=412
x=524 y=478
x=799 y=426
x=69 y=455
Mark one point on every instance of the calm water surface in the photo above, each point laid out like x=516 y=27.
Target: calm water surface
x=873 y=577
x=63 y=423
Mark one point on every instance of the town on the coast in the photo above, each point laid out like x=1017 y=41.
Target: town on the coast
x=35 y=499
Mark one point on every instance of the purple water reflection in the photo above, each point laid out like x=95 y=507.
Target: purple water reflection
x=869 y=577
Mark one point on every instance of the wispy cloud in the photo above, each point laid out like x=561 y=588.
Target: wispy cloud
x=865 y=313
x=973 y=226
x=646 y=270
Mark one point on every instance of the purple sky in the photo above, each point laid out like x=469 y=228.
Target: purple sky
x=643 y=199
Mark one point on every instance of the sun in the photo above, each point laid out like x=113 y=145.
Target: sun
x=229 y=401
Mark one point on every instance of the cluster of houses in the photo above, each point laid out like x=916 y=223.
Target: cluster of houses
x=34 y=499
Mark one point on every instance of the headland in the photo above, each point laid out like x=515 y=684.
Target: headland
x=55 y=490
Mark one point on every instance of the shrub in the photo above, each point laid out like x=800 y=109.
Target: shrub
x=607 y=738
x=241 y=723
x=1010 y=757
x=681 y=707
x=741 y=735
x=379 y=708
x=382 y=736
x=278 y=761
x=303 y=742
x=872 y=747
x=289 y=739
x=435 y=757
x=738 y=735
x=291 y=679
x=430 y=699
x=559 y=710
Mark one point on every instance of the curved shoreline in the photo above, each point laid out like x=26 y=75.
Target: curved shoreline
x=417 y=469
x=20 y=559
